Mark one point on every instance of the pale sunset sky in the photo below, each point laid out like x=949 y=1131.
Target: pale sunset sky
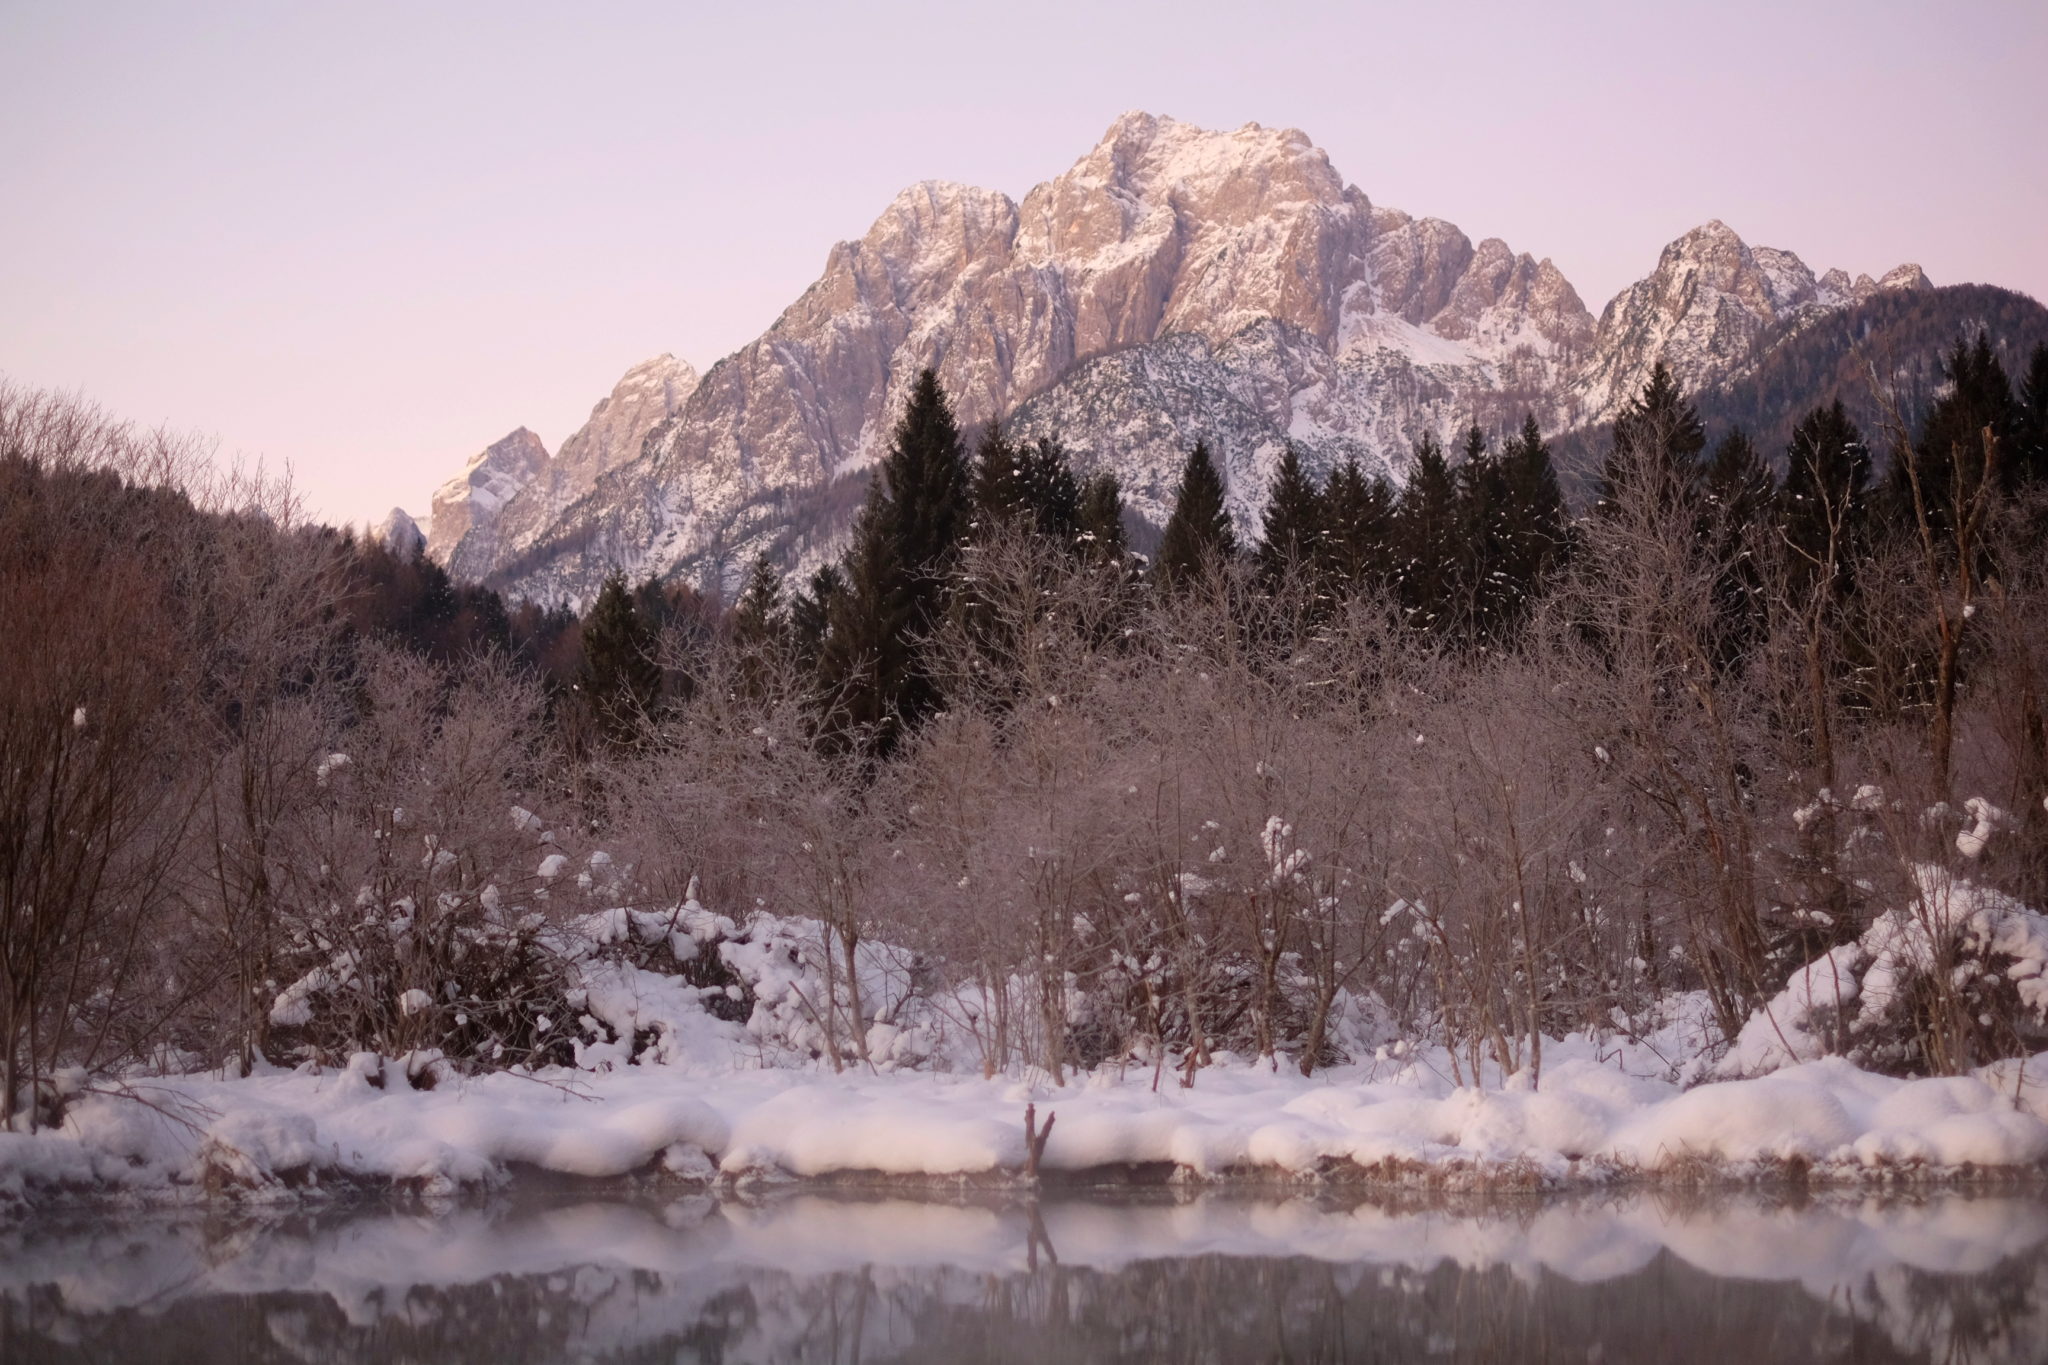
x=366 y=240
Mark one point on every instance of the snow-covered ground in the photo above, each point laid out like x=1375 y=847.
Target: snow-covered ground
x=662 y=1085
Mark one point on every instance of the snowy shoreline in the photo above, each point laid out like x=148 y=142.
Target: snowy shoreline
x=302 y=1134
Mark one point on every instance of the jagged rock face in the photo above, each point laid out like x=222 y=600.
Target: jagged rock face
x=400 y=534
x=1174 y=283
x=505 y=524
x=1270 y=285
x=466 y=507
x=1702 y=311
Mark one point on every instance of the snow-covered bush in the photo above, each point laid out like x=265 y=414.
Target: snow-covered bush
x=1955 y=979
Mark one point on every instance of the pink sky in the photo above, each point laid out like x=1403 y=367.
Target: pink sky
x=369 y=239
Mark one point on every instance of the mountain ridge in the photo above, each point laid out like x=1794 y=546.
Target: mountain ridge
x=1174 y=282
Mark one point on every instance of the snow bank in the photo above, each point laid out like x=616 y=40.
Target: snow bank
x=1587 y=1121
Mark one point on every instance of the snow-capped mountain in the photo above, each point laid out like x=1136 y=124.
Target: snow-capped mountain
x=1175 y=283
x=510 y=493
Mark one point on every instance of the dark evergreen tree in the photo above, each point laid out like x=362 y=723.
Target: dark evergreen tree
x=924 y=494
x=998 y=494
x=1428 y=541
x=1101 y=517
x=1198 y=534
x=1661 y=427
x=621 y=673
x=898 y=574
x=1051 y=495
x=758 y=620
x=1949 y=456
x=810 y=611
x=1735 y=514
x=1822 y=508
x=1536 y=534
x=1293 y=521
x=865 y=667
x=1486 y=515
x=1358 y=529
x=2028 y=460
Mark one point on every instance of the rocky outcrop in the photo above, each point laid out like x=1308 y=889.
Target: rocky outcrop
x=1703 y=310
x=513 y=507
x=400 y=534
x=462 y=527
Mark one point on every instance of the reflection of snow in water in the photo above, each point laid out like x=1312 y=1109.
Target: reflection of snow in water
x=641 y=1272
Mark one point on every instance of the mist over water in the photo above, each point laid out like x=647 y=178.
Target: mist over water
x=840 y=1277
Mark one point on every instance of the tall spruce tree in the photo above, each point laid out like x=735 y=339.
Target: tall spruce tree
x=1664 y=434
x=1051 y=495
x=898 y=576
x=2029 y=459
x=810 y=611
x=1526 y=537
x=759 y=625
x=1823 y=507
x=1100 y=520
x=1198 y=536
x=1428 y=541
x=1293 y=522
x=998 y=493
x=1737 y=496
x=1949 y=456
x=1358 y=531
x=1486 y=517
x=621 y=671
x=760 y=618
x=866 y=665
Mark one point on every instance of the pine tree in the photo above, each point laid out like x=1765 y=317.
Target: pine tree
x=759 y=626
x=1736 y=481
x=1051 y=495
x=1541 y=537
x=1949 y=456
x=1198 y=536
x=621 y=675
x=998 y=495
x=1427 y=540
x=810 y=611
x=1358 y=541
x=925 y=494
x=1293 y=521
x=2029 y=459
x=1485 y=534
x=758 y=619
x=1737 y=495
x=1823 y=507
x=1101 y=517
x=865 y=665
x=898 y=575
x=1659 y=435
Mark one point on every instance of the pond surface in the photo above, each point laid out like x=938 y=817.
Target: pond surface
x=549 y=1276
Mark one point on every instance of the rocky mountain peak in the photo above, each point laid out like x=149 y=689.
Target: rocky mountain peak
x=1174 y=283
x=491 y=479
x=1905 y=277
x=400 y=534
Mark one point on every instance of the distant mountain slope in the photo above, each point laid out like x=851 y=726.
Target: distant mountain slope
x=1175 y=283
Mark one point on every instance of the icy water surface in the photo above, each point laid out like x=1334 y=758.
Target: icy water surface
x=843 y=1277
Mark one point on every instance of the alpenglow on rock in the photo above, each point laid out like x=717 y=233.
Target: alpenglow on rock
x=1175 y=283
x=508 y=498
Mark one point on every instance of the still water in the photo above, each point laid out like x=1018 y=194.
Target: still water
x=840 y=1277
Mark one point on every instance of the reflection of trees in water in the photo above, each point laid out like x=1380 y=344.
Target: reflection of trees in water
x=1208 y=1307
x=2001 y=1314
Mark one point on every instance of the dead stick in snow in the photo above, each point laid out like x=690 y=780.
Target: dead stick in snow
x=1034 y=1138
